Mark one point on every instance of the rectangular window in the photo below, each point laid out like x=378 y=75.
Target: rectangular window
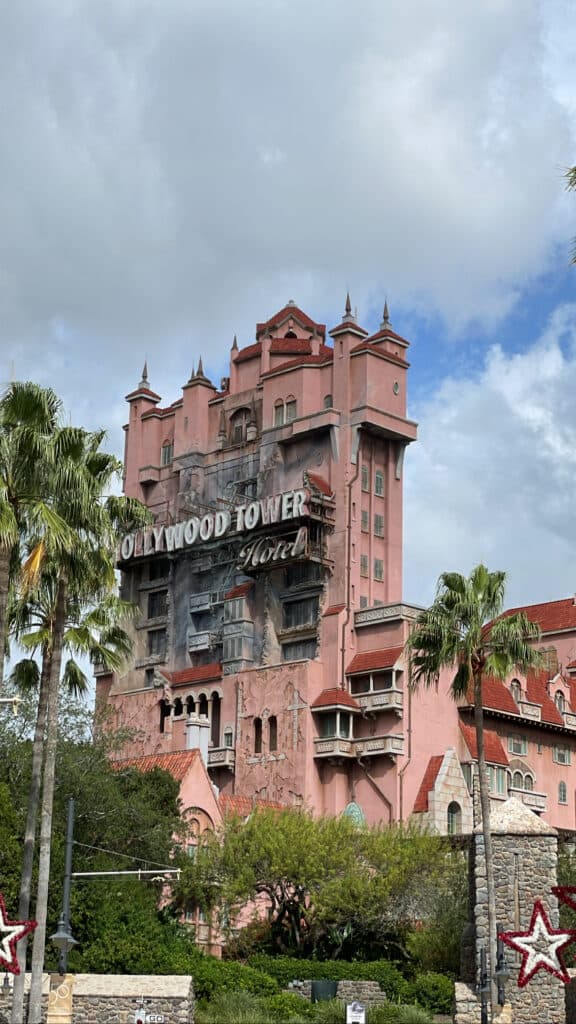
x=302 y=572
x=364 y=522
x=378 y=569
x=279 y=414
x=232 y=648
x=299 y=650
x=290 y=411
x=327 y=724
x=379 y=483
x=149 y=677
x=365 y=477
x=561 y=755
x=378 y=526
x=363 y=601
x=517 y=744
x=496 y=780
x=359 y=684
x=157 y=643
x=157 y=603
x=167 y=453
x=234 y=610
x=467 y=773
x=364 y=565
x=344 y=725
x=300 y=613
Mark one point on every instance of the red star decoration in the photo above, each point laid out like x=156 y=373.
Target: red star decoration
x=566 y=894
x=541 y=946
x=10 y=934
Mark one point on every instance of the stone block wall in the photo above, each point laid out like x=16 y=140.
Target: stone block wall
x=367 y=992
x=114 y=999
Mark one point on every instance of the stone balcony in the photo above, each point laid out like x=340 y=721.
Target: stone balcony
x=367 y=746
x=222 y=757
x=149 y=475
x=382 y=700
x=535 y=801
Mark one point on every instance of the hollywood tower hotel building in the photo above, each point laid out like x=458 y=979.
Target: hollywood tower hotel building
x=270 y=585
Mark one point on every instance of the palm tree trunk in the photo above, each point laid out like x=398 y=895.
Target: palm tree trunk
x=35 y=1005
x=487 y=836
x=5 y=554
x=17 y=1015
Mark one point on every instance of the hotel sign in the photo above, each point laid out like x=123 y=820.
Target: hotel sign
x=212 y=526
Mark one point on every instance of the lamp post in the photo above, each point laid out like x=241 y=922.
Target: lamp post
x=62 y=938
x=501 y=975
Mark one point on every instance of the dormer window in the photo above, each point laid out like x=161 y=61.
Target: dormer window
x=516 y=690
x=560 y=701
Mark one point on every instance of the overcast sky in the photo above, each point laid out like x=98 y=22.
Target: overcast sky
x=172 y=171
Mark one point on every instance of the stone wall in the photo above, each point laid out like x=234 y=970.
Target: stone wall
x=525 y=856
x=367 y=992
x=114 y=999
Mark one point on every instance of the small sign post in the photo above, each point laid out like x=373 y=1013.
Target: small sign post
x=355 y=1013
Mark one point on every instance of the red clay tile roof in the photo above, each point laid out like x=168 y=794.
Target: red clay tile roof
x=387 y=333
x=143 y=391
x=369 y=661
x=290 y=347
x=284 y=314
x=323 y=359
x=497 y=697
x=200 y=674
x=551 y=616
x=177 y=764
x=242 y=806
x=250 y=352
x=335 y=697
x=427 y=784
x=320 y=484
x=367 y=346
x=334 y=609
x=240 y=591
x=571 y=664
x=493 y=750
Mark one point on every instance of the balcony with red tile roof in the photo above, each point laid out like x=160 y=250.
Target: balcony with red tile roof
x=178 y=765
x=195 y=674
x=372 y=661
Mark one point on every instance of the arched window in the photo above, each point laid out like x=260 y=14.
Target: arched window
x=164 y=713
x=278 y=413
x=272 y=733
x=528 y=784
x=203 y=706
x=562 y=793
x=178 y=708
x=167 y=453
x=215 y=724
x=517 y=781
x=559 y=701
x=239 y=425
x=190 y=705
x=454 y=821
x=257 y=735
x=291 y=409
x=516 y=690
x=328 y=401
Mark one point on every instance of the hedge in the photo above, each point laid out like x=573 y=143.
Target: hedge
x=286 y=969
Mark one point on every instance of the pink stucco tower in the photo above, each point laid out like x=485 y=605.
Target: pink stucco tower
x=270 y=584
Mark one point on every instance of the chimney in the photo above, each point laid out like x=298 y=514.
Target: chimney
x=198 y=735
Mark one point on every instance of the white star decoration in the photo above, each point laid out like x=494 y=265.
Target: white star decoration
x=541 y=946
x=11 y=932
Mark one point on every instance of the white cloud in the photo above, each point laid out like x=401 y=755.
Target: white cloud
x=493 y=476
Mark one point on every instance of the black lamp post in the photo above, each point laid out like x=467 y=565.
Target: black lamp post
x=484 y=987
x=501 y=975
x=62 y=938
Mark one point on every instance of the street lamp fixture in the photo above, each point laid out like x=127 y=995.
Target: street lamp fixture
x=63 y=941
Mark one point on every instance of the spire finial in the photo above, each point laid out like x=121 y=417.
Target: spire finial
x=144 y=382
x=192 y=374
x=348 y=314
x=385 y=317
x=200 y=371
x=235 y=343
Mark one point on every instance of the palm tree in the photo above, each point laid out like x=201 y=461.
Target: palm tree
x=29 y=417
x=464 y=631
x=82 y=475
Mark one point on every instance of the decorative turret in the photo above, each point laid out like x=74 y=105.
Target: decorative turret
x=144 y=390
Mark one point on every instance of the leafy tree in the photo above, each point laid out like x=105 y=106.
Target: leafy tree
x=324 y=882
x=464 y=632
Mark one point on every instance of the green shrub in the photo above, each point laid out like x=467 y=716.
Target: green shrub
x=287 y=1006
x=232 y=1008
x=212 y=977
x=333 y=1011
x=433 y=991
x=286 y=969
x=395 y=1013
